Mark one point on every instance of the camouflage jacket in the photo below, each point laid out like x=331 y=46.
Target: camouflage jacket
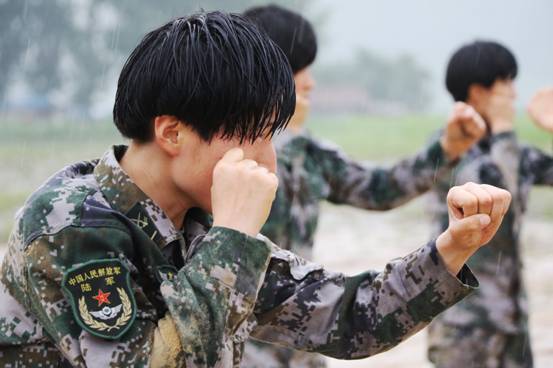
x=499 y=160
x=310 y=171
x=97 y=276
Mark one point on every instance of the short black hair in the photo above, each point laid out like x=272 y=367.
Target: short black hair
x=290 y=31
x=480 y=62
x=215 y=72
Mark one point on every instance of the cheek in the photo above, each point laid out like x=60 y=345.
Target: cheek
x=268 y=159
x=193 y=176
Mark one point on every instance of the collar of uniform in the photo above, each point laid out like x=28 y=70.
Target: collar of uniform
x=125 y=196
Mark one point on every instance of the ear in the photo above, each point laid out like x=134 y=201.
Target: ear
x=168 y=131
x=478 y=96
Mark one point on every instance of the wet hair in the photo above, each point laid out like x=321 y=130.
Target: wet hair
x=480 y=62
x=215 y=72
x=290 y=31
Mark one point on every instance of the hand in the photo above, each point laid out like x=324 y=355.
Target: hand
x=475 y=213
x=500 y=112
x=242 y=193
x=464 y=128
x=300 y=114
x=541 y=108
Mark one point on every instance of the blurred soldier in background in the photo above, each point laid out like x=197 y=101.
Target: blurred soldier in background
x=490 y=329
x=311 y=171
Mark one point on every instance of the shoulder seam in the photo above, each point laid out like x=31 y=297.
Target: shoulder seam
x=41 y=235
x=77 y=223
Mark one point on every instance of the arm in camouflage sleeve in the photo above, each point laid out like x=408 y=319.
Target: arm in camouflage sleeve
x=208 y=299
x=539 y=164
x=505 y=157
x=305 y=307
x=380 y=188
x=514 y=160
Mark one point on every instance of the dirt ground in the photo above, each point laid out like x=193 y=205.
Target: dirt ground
x=352 y=241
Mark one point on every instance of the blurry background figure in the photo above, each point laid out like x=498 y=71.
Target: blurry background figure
x=379 y=95
x=311 y=171
x=490 y=327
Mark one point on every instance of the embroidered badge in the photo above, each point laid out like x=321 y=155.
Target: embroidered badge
x=166 y=273
x=101 y=298
x=141 y=219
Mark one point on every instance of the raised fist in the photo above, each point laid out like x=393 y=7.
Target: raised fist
x=242 y=193
x=541 y=108
x=500 y=110
x=475 y=213
x=464 y=128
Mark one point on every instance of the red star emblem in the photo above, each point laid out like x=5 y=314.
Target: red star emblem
x=102 y=297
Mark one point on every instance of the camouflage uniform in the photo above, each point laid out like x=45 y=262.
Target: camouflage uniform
x=490 y=328
x=97 y=276
x=309 y=172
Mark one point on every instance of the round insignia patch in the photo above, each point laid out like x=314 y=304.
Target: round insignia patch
x=101 y=298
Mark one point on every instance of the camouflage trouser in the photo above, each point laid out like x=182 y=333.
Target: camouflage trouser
x=476 y=347
x=260 y=355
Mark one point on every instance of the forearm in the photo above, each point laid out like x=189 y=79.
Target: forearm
x=538 y=165
x=355 y=317
x=214 y=293
x=383 y=188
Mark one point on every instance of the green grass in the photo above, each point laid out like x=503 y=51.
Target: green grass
x=32 y=151
x=382 y=138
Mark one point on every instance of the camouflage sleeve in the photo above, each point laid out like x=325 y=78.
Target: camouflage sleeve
x=505 y=156
x=380 y=188
x=514 y=160
x=305 y=307
x=539 y=165
x=208 y=299
x=214 y=294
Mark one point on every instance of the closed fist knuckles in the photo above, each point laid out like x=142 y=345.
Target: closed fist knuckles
x=476 y=212
x=464 y=128
x=242 y=193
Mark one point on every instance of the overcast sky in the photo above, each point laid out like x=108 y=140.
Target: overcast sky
x=431 y=29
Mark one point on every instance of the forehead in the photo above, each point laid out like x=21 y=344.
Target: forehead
x=219 y=143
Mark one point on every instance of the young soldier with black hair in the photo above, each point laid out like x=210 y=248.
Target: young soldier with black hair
x=311 y=171
x=490 y=328
x=113 y=262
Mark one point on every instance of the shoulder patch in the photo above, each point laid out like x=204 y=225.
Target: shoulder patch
x=100 y=295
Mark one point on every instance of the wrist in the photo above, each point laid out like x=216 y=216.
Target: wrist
x=454 y=255
x=447 y=148
x=241 y=227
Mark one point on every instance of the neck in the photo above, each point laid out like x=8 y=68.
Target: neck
x=149 y=170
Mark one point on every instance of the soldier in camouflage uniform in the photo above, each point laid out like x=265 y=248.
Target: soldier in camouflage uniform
x=311 y=171
x=116 y=263
x=490 y=328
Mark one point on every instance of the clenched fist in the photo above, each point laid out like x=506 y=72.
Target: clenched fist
x=500 y=111
x=464 y=128
x=541 y=108
x=242 y=193
x=475 y=213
